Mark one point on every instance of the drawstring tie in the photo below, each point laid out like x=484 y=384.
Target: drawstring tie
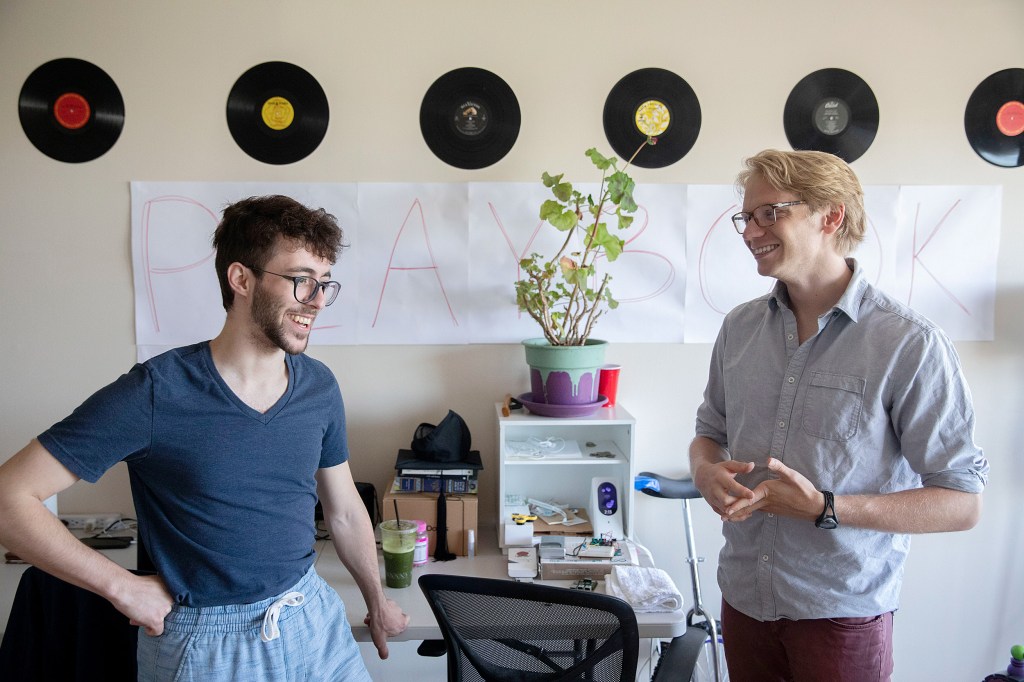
x=269 y=632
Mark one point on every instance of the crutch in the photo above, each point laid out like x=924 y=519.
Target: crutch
x=656 y=485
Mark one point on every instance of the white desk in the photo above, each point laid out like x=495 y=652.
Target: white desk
x=422 y=624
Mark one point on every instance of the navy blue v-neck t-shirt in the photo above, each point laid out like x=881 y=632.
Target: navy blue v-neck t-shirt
x=224 y=494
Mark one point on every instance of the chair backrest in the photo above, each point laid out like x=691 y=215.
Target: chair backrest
x=505 y=630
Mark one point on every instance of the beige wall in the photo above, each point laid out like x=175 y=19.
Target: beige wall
x=65 y=271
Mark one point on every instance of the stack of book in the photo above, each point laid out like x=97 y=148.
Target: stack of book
x=417 y=472
x=458 y=481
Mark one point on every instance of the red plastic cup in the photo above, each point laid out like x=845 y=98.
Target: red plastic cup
x=608 y=383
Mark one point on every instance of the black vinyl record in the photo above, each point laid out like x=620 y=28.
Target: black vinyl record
x=470 y=118
x=994 y=118
x=834 y=111
x=71 y=110
x=277 y=112
x=657 y=103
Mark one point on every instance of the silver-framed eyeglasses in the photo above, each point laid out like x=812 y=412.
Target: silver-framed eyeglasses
x=764 y=216
x=306 y=288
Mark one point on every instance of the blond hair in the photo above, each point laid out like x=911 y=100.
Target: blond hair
x=822 y=180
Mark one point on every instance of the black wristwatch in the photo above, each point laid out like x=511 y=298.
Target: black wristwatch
x=828 y=519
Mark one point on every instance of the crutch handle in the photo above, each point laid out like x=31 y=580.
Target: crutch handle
x=657 y=485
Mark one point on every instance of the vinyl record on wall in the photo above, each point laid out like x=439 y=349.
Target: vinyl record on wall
x=834 y=111
x=470 y=118
x=994 y=118
x=71 y=110
x=277 y=113
x=652 y=102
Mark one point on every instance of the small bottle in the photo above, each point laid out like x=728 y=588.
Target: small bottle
x=470 y=542
x=419 y=553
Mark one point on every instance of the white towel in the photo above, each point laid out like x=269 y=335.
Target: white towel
x=646 y=589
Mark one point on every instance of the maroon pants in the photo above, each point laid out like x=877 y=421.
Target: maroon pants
x=825 y=649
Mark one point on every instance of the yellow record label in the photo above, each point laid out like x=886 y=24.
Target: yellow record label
x=652 y=118
x=278 y=113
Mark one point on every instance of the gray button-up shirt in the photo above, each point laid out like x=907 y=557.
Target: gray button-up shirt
x=875 y=402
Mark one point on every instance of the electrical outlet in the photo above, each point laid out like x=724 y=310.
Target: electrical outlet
x=93 y=523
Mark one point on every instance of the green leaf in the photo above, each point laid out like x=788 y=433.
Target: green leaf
x=551 y=181
x=628 y=204
x=620 y=189
x=625 y=221
x=607 y=241
x=555 y=213
x=599 y=160
x=616 y=185
x=562 y=191
x=565 y=221
x=613 y=249
x=550 y=208
x=577 y=276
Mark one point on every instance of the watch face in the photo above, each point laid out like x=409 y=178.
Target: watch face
x=827 y=523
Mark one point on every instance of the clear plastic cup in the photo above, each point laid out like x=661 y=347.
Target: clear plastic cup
x=398 y=540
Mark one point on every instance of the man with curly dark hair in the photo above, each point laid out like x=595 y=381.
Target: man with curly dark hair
x=229 y=445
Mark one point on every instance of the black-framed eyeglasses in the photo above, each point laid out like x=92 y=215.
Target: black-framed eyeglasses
x=306 y=288
x=764 y=216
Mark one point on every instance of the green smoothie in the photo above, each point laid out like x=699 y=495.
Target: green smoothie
x=398 y=540
x=398 y=568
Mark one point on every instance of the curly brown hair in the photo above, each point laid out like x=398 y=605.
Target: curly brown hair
x=251 y=228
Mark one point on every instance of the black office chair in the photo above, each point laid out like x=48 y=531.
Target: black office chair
x=502 y=630
x=58 y=631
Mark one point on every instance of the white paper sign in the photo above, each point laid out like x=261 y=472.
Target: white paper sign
x=436 y=263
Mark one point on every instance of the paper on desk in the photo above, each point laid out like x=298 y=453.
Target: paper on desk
x=536 y=447
x=571 y=518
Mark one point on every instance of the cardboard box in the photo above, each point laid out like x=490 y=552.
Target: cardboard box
x=461 y=512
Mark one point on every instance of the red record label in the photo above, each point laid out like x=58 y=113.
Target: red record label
x=72 y=110
x=1010 y=119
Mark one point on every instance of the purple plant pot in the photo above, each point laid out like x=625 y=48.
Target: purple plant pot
x=564 y=375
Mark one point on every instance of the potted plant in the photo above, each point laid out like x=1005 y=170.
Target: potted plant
x=564 y=293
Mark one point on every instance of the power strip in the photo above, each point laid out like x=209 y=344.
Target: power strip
x=93 y=523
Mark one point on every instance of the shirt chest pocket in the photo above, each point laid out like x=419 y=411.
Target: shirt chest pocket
x=833 y=405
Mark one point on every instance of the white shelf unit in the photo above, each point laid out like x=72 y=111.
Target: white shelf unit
x=566 y=480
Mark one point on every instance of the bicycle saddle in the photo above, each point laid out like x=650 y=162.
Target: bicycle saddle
x=657 y=485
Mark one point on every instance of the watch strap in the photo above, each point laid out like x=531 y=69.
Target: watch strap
x=828 y=519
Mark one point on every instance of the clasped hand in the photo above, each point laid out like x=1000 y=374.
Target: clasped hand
x=786 y=493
